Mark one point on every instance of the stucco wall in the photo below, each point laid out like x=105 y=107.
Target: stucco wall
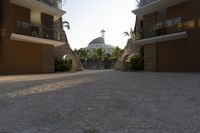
x=129 y=49
x=66 y=50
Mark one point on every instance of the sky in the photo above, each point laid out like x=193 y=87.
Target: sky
x=88 y=17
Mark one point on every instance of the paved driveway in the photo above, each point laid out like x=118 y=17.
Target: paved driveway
x=100 y=102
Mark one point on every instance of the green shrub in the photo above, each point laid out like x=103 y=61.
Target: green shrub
x=62 y=65
x=135 y=62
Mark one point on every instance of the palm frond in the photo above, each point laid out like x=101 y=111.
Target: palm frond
x=126 y=33
x=66 y=24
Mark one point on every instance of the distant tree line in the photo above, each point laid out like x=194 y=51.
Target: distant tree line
x=98 y=59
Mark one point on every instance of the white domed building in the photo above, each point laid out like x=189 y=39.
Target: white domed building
x=100 y=43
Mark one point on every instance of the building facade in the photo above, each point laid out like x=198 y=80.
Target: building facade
x=30 y=32
x=169 y=31
x=100 y=43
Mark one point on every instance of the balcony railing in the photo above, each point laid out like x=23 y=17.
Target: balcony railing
x=24 y=28
x=54 y=3
x=141 y=3
x=163 y=28
x=148 y=6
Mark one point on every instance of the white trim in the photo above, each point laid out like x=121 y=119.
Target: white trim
x=155 y=6
x=41 y=7
x=174 y=36
x=24 y=38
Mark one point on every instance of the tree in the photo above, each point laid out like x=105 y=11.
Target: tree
x=108 y=61
x=100 y=54
x=116 y=53
x=130 y=33
x=83 y=54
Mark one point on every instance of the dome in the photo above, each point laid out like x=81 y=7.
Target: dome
x=100 y=43
x=99 y=40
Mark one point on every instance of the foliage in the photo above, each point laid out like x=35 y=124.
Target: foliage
x=66 y=24
x=82 y=53
x=62 y=65
x=130 y=33
x=135 y=62
x=108 y=61
x=100 y=54
x=116 y=53
x=98 y=58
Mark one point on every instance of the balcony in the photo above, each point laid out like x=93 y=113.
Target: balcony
x=53 y=3
x=149 y=6
x=141 y=3
x=41 y=6
x=172 y=29
x=43 y=35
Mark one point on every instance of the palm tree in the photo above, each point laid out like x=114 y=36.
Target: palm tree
x=116 y=53
x=100 y=55
x=83 y=54
x=130 y=33
x=66 y=24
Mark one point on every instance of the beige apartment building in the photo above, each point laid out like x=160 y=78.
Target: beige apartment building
x=30 y=31
x=169 y=32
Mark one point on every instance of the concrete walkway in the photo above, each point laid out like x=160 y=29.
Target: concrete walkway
x=100 y=102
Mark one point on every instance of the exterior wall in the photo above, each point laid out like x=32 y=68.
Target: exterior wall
x=47 y=58
x=66 y=50
x=18 y=57
x=58 y=28
x=1 y=20
x=150 y=57
x=177 y=55
x=138 y=28
x=130 y=48
x=150 y=51
x=148 y=21
x=182 y=55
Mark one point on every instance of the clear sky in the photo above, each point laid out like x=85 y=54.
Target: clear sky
x=88 y=17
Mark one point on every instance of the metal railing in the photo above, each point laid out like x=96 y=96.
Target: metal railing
x=163 y=28
x=54 y=3
x=28 y=29
x=141 y=3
